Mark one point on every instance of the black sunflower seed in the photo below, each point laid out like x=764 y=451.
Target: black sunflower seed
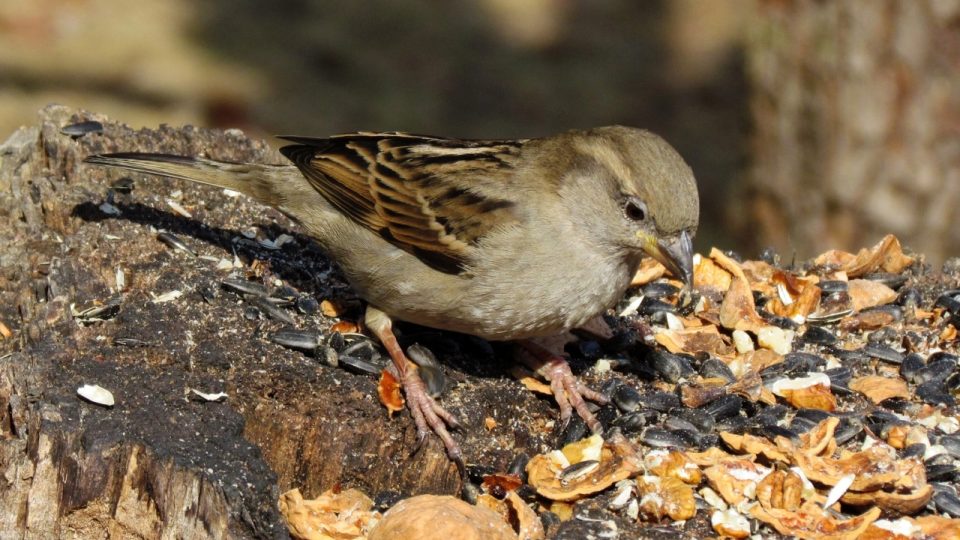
x=724 y=407
x=307 y=305
x=429 y=369
x=659 y=289
x=951 y=443
x=894 y=281
x=361 y=366
x=911 y=365
x=909 y=298
x=847 y=429
x=802 y=425
x=626 y=398
x=771 y=415
x=819 y=335
x=701 y=420
x=915 y=450
x=245 y=287
x=633 y=422
x=715 y=368
x=671 y=367
x=80 y=129
x=271 y=310
x=934 y=393
x=936 y=370
x=883 y=352
x=833 y=286
x=661 y=438
x=659 y=401
x=947 y=502
x=296 y=339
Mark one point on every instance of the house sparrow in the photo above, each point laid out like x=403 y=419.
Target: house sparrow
x=501 y=239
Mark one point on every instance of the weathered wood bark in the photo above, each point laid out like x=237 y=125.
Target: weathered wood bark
x=158 y=464
x=856 y=108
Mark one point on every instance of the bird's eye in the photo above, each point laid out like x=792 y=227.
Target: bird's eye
x=635 y=209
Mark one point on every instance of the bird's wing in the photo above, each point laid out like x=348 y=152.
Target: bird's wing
x=432 y=197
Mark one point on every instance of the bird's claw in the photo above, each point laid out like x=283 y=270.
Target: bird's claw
x=428 y=415
x=568 y=391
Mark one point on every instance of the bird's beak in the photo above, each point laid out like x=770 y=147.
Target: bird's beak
x=676 y=255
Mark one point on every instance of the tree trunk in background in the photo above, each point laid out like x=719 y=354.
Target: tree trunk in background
x=856 y=108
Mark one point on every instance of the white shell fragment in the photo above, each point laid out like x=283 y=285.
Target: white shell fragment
x=278 y=243
x=96 y=394
x=622 y=495
x=812 y=379
x=713 y=498
x=603 y=365
x=784 y=294
x=168 y=296
x=900 y=527
x=176 y=207
x=593 y=450
x=121 y=279
x=231 y=193
x=731 y=522
x=776 y=339
x=838 y=490
x=742 y=341
x=673 y=322
x=219 y=396
x=632 y=306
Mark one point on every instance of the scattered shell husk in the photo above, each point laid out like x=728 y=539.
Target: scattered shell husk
x=618 y=460
x=513 y=510
x=666 y=497
x=96 y=394
x=342 y=515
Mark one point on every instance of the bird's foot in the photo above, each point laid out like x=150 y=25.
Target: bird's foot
x=568 y=391
x=427 y=414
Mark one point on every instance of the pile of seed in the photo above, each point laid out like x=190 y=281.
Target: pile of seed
x=886 y=374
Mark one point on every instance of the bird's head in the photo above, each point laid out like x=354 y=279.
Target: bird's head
x=645 y=192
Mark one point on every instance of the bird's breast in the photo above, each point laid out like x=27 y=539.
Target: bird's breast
x=516 y=287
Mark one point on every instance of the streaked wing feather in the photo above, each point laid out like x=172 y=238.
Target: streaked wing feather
x=427 y=195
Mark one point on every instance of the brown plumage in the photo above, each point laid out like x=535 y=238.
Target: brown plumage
x=506 y=240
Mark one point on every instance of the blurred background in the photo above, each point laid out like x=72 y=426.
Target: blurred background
x=809 y=124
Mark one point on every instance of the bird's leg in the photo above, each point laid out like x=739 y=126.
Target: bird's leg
x=568 y=391
x=427 y=414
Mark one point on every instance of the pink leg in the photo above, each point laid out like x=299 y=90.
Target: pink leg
x=568 y=391
x=427 y=414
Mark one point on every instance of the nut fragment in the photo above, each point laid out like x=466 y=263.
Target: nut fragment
x=879 y=388
x=812 y=522
x=345 y=515
x=440 y=516
x=660 y=497
x=730 y=523
x=618 y=460
x=672 y=464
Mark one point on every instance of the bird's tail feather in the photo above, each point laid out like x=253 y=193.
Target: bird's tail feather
x=249 y=178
